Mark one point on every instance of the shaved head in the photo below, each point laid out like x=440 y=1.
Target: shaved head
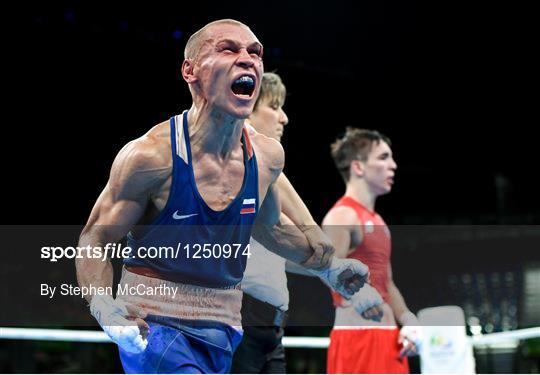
x=194 y=43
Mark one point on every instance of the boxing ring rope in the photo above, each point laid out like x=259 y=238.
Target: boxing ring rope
x=288 y=341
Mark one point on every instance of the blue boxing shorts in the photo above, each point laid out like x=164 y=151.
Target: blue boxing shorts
x=177 y=346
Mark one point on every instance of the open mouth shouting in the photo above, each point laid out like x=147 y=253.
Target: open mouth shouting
x=244 y=86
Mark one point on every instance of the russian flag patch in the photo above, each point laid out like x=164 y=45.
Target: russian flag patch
x=248 y=206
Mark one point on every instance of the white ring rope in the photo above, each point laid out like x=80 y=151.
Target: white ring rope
x=53 y=335
x=494 y=338
x=288 y=341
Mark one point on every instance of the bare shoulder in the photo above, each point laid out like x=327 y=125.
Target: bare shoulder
x=144 y=163
x=268 y=150
x=341 y=215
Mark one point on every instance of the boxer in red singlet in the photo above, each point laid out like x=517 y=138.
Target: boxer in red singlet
x=359 y=345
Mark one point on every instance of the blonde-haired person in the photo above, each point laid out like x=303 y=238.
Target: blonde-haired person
x=266 y=297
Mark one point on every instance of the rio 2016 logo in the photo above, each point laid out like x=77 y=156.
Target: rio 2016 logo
x=440 y=344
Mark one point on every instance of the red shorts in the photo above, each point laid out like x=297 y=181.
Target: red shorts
x=365 y=351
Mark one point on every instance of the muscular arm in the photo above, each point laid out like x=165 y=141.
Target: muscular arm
x=346 y=276
x=296 y=211
x=136 y=172
x=288 y=241
x=395 y=299
x=270 y=228
x=410 y=335
x=291 y=203
x=274 y=232
x=341 y=224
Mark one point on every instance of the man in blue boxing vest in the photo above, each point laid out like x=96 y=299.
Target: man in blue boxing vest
x=194 y=186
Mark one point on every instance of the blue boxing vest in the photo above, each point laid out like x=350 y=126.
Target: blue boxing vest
x=201 y=246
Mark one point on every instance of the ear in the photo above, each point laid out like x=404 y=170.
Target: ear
x=188 y=67
x=357 y=168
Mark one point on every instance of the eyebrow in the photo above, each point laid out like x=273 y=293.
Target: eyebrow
x=226 y=41
x=256 y=44
x=230 y=41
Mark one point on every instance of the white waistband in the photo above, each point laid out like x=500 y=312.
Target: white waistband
x=364 y=327
x=183 y=301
